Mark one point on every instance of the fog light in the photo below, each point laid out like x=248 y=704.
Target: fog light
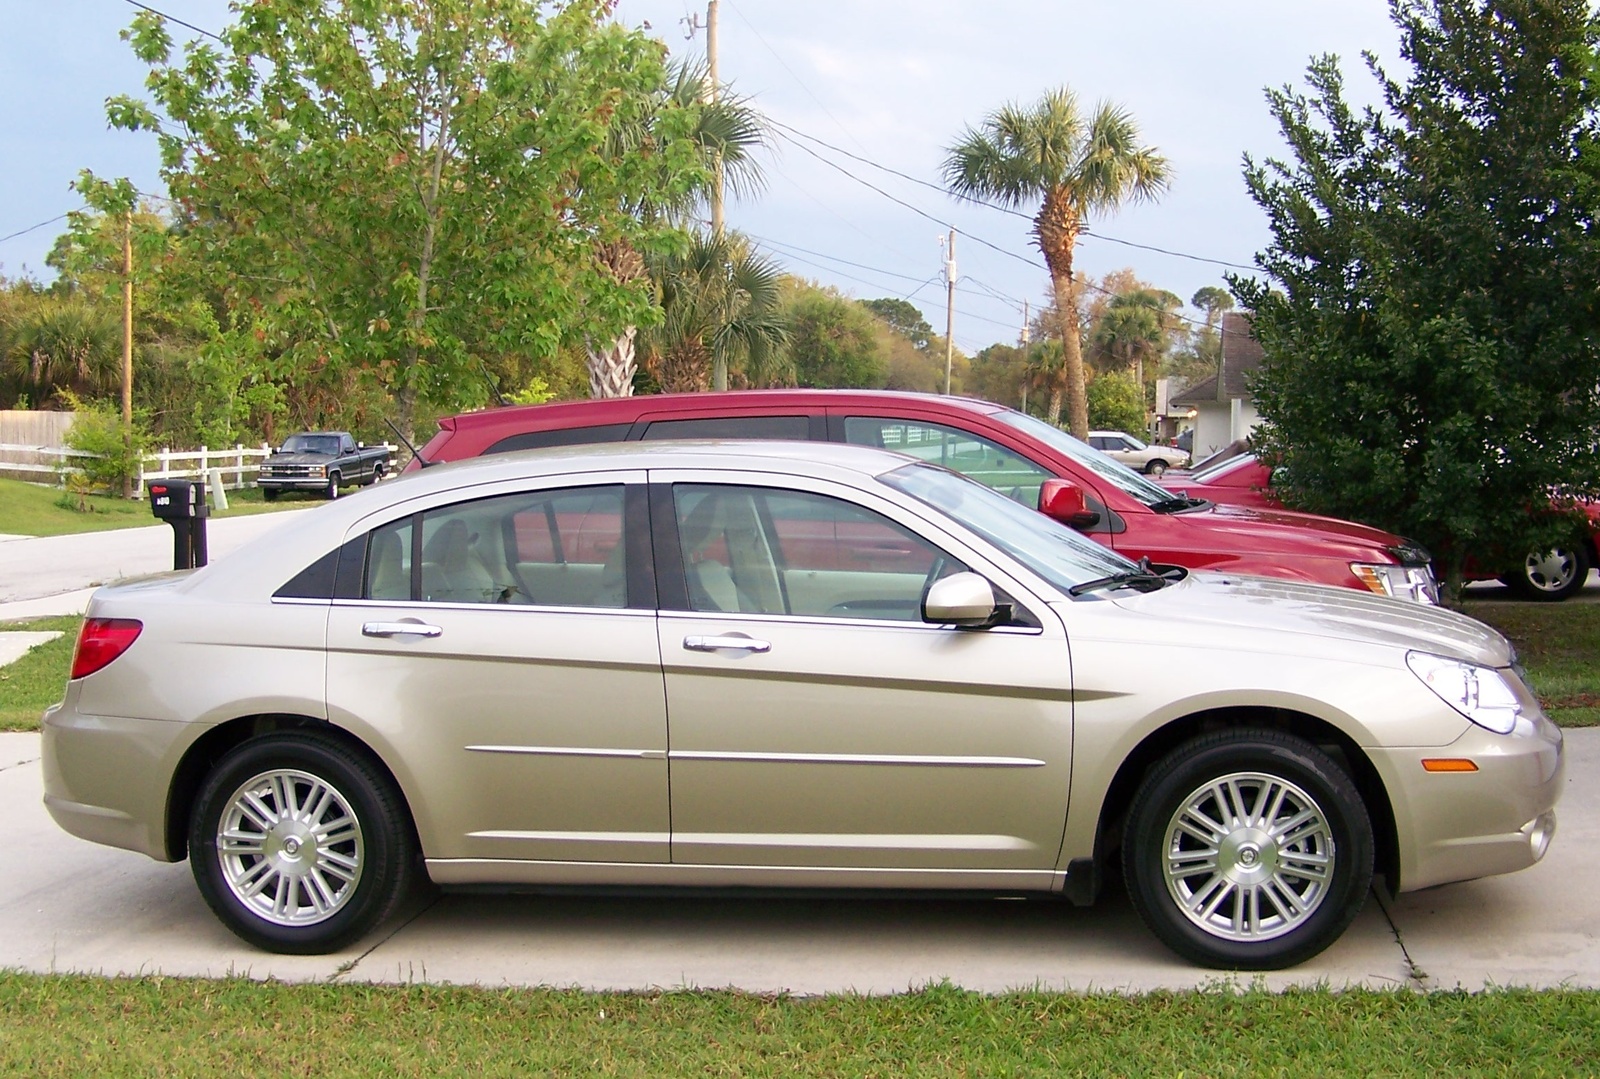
x=1539 y=830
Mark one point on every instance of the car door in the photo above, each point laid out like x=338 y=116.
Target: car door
x=817 y=722
x=505 y=646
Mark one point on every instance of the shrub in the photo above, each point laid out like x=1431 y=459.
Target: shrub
x=117 y=447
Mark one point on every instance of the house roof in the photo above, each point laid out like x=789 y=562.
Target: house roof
x=1241 y=356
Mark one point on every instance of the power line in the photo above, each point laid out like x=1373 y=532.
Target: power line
x=31 y=228
x=801 y=82
x=1086 y=230
x=169 y=18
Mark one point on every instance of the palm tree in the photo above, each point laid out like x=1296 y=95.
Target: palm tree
x=1072 y=165
x=729 y=129
x=65 y=344
x=1045 y=369
x=720 y=304
x=1133 y=329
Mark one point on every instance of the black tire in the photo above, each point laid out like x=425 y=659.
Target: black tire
x=1551 y=576
x=333 y=486
x=355 y=874
x=1304 y=779
x=377 y=474
x=269 y=494
x=1156 y=467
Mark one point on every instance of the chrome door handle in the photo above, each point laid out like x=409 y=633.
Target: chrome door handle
x=726 y=644
x=399 y=629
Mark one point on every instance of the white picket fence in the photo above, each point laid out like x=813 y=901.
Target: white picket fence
x=237 y=466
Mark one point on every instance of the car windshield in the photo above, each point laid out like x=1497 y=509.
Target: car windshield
x=1102 y=466
x=1217 y=471
x=1132 y=443
x=328 y=444
x=1048 y=548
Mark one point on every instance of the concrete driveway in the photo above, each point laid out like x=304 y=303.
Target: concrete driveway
x=68 y=905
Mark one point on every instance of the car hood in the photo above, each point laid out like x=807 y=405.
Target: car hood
x=1216 y=605
x=299 y=459
x=1289 y=531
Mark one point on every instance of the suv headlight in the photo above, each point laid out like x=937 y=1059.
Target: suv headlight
x=1482 y=694
x=1415 y=583
x=316 y=470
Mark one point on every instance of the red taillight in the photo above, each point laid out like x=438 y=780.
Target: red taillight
x=102 y=640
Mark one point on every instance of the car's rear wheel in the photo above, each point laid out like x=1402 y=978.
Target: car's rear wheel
x=1248 y=850
x=1156 y=467
x=1551 y=575
x=377 y=474
x=299 y=844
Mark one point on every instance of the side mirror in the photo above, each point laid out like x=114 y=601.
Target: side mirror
x=962 y=599
x=1063 y=501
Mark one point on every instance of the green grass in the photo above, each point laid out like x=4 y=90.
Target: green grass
x=28 y=509
x=63 y=1025
x=1559 y=645
x=34 y=682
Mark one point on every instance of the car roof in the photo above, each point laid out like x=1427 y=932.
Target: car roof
x=627 y=409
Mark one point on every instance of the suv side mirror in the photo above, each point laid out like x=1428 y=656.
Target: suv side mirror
x=1064 y=501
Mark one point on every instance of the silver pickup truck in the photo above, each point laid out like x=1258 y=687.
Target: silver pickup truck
x=321 y=461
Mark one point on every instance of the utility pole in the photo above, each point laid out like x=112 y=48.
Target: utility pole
x=949 y=306
x=1022 y=342
x=127 y=346
x=716 y=91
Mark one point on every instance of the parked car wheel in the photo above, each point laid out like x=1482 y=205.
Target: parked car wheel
x=299 y=845
x=1156 y=467
x=1248 y=850
x=377 y=474
x=269 y=494
x=333 y=485
x=1552 y=575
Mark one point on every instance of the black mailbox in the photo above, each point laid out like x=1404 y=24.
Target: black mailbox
x=175 y=500
x=182 y=504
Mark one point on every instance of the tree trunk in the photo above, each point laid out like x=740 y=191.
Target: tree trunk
x=611 y=369
x=685 y=368
x=1056 y=228
x=1053 y=412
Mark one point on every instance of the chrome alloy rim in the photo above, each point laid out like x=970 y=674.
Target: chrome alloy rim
x=1248 y=857
x=290 y=847
x=1551 y=571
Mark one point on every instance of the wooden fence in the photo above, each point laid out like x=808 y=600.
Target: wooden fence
x=49 y=464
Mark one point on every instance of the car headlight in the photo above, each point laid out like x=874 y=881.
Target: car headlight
x=1415 y=583
x=1482 y=694
x=317 y=470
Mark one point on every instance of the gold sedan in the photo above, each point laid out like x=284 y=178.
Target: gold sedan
x=732 y=665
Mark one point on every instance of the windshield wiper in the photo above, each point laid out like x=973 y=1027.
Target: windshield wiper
x=1177 y=504
x=1146 y=579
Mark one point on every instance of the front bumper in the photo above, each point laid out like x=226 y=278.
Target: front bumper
x=292 y=483
x=1462 y=825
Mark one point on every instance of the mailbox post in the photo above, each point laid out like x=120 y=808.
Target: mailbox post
x=182 y=504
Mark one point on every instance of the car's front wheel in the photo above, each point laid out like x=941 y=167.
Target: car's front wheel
x=269 y=494
x=333 y=485
x=1156 y=467
x=299 y=844
x=1551 y=575
x=1248 y=850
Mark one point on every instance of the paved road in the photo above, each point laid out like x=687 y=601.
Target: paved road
x=56 y=574
x=67 y=905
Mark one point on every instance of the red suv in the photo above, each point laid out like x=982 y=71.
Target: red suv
x=1025 y=457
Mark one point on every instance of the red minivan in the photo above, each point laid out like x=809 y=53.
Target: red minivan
x=1027 y=458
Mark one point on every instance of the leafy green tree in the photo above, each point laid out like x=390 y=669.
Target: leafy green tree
x=1132 y=331
x=720 y=305
x=1430 y=320
x=396 y=193
x=1116 y=403
x=999 y=374
x=1072 y=165
x=833 y=341
x=65 y=345
x=903 y=317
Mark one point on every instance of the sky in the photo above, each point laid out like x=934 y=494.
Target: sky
x=891 y=82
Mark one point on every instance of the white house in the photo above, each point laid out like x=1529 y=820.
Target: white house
x=1224 y=406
